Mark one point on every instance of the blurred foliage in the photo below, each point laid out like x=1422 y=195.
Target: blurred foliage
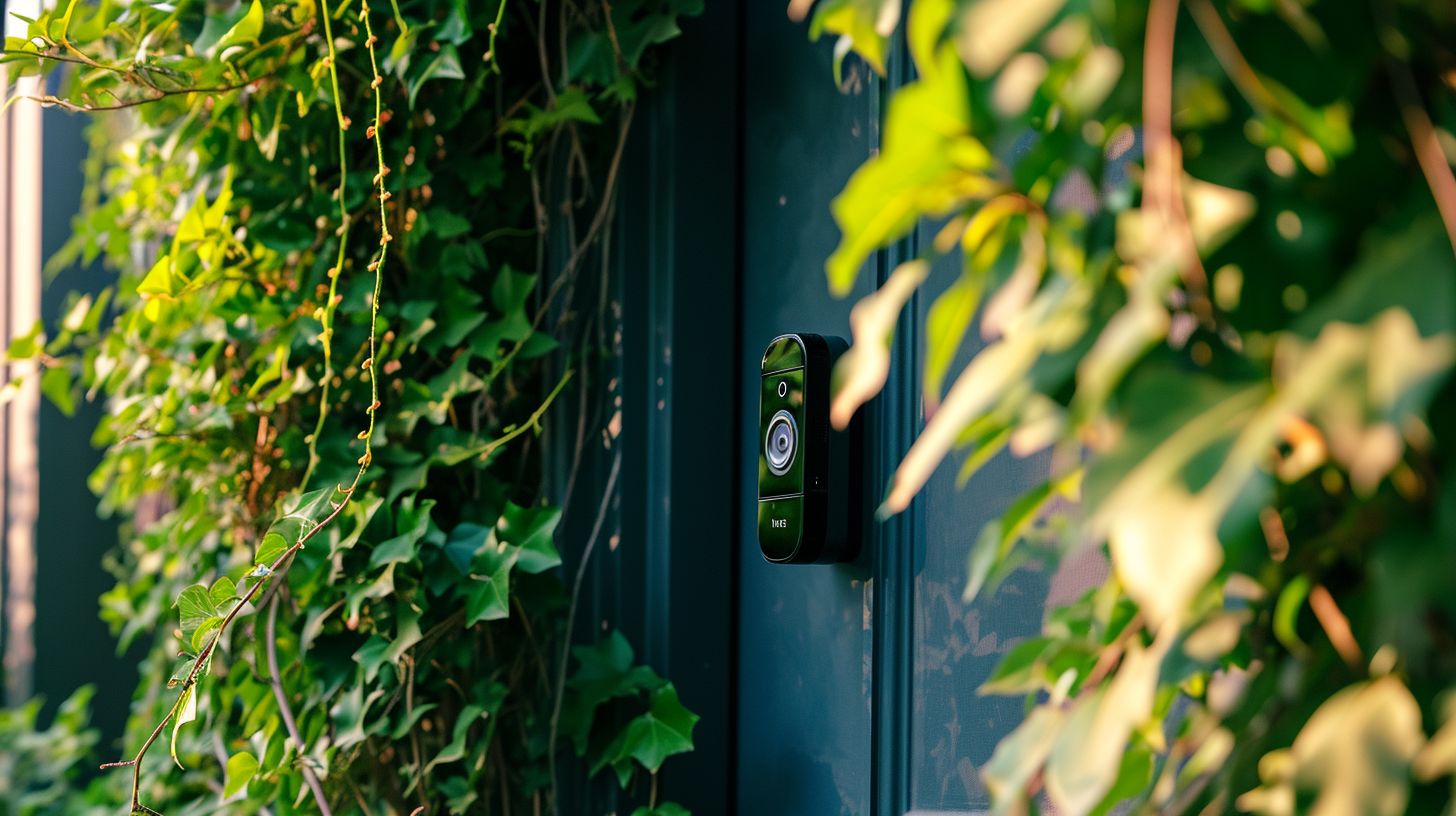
x=1208 y=251
x=38 y=768
x=350 y=247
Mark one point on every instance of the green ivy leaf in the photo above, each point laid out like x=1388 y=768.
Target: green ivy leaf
x=489 y=596
x=240 y=770
x=863 y=25
x=194 y=608
x=25 y=346
x=55 y=383
x=532 y=531
x=666 y=729
x=930 y=165
x=245 y=31
x=411 y=524
x=511 y=290
x=664 y=809
x=444 y=64
x=299 y=519
x=160 y=279
x=222 y=591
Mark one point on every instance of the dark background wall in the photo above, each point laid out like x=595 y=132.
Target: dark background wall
x=72 y=646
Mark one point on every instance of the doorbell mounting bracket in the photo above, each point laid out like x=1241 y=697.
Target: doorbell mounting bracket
x=807 y=471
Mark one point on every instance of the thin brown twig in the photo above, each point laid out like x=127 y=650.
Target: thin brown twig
x=1231 y=58
x=1336 y=626
x=586 y=553
x=595 y=227
x=66 y=104
x=289 y=723
x=204 y=657
x=1163 y=176
x=1424 y=142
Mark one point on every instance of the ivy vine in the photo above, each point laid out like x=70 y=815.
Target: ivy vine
x=426 y=666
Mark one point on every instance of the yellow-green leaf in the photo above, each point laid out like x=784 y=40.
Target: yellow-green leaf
x=186 y=713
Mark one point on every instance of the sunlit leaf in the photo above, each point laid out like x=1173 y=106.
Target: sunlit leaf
x=239 y=772
x=860 y=373
x=1087 y=755
x=990 y=31
x=1353 y=754
x=1019 y=757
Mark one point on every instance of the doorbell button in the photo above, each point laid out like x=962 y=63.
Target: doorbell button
x=780 y=524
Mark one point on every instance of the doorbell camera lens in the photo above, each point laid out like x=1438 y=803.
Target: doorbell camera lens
x=781 y=442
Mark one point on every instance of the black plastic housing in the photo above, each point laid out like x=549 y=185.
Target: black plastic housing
x=805 y=511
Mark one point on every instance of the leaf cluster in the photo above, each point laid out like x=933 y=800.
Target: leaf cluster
x=1202 y=255
x=326 y=217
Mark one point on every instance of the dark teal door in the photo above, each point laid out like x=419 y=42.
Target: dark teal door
x=857 y=686
x=805 y=639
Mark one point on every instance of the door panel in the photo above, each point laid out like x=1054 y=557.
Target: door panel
x=858 y=684
x=804 y=638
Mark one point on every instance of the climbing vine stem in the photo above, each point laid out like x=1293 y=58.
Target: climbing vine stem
x=331 y=303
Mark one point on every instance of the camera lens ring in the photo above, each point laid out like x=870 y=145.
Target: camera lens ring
x=781 y=443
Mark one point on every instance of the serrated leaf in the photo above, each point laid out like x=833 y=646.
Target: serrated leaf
x=945 y=327
x=863 y=25
x=1019 y=756
x=25 y=346
x=930 y=165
